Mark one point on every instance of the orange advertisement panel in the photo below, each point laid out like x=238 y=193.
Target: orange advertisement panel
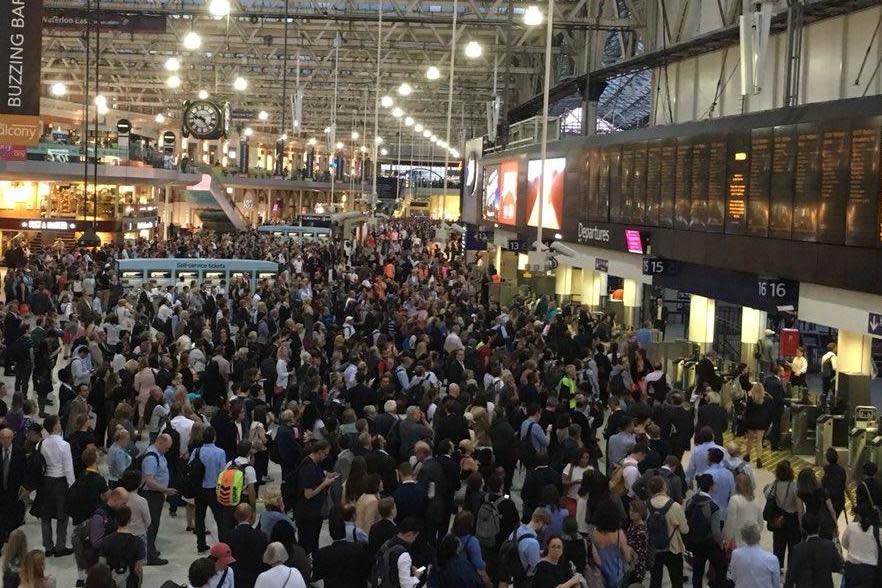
x=552 y=193
x=19 y=129
x=508 y=193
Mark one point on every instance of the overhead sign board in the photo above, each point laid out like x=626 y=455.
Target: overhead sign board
x=601 y=265
x=21 y=41
x=874 y=324
x=75 y=19
x=518 y=245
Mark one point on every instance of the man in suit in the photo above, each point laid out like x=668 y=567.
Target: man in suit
x=681 y=425
x=12 y=469
x=411 y=498
x=247 y=545
x=342 y=564
x=535 y=480
x=385 y=528
x=774 y=386
x=714 y=416
x=381 y=463
x=456 y=368
x=814 y=561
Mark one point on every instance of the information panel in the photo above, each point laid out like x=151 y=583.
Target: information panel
x=683 y=185
x=638 y=186
x=716 y=187
x=760 y=181
x=781 y=192
x=834 y=181
x=698 y=202
x=653 y=182
x=862 y=227
x=615 y=184
x=807 y=183
x=737 y=173
x=668 y=179
x=627 y=183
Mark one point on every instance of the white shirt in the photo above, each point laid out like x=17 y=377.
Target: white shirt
x=59 y=463
x=277 y=576
x=282 y=373
x=183 y=426
x=404 y=572
x=741 y=512
x=861 y=545
x=832 y=357
x=630 y=474
x=799 y=366
x=754 y=567
x=349 y=375
x=250 y=474
x=229 y=581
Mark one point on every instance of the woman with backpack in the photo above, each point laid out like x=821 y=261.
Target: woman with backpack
x=756 y=421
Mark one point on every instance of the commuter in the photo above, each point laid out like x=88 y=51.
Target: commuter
x=814 y=500
x=743 y=510
x=698 y=461
x=834 y=481
x=343 y=563
x=861 y=540
x=311 y=491
x=781 y=511
x=667 y=540
x=247 y=546
x=705 y=539
x=156 y=489
x=58 y=477
x=813 y=561
x=453 y=568
x=774 y=386
x=828 y=373
x=278 y=573
x=751 y=565
x=712 y=415
x=551 y=571
x=213 y=461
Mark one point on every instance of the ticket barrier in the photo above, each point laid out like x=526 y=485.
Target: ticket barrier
x=864 y=429
x=803 y=428
x=874 y=450
x=831 y=431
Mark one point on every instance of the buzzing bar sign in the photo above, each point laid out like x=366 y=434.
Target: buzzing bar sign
x=21 y=38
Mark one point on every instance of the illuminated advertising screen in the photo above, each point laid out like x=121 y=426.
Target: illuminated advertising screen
x=552 y=193
x=501 y=193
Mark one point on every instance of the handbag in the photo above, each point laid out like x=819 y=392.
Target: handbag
x=772 y=513
x=593 y=576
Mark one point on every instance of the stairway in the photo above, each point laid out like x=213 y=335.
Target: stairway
x=214 y=206
x=43 y=241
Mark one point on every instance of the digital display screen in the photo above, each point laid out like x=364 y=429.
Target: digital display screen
x=214 y=275
x=634 y=241
x=552 y=193
x=266 y=275
x=160 y=274
x=188 y=275
x=501 y=193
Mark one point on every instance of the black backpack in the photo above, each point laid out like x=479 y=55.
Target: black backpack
x=384 y=574
x=510 y=558
x=698 y=517
x=137 y=464
x=192 y=475
x=657 y=526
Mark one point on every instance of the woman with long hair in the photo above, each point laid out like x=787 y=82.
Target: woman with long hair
x=756 y=421
x=594 y=496
x=785 y=529
x=815 y=500
x=571 y=479
x=611 y=545
x=33 y=571
x=861 y=539
x=743 y=510
x=13 y=556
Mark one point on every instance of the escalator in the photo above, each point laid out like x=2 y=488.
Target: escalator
x=215 y=208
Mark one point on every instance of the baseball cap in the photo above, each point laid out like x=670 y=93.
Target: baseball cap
x=221 y=553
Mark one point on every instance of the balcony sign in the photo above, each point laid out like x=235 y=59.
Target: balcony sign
x=48 y=225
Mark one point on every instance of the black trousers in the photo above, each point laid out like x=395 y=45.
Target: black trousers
x=205 y=500
x=23 y=377
x=308 y=531
x=712 y=554
x=775 y=428
x=785 y=538
x=860 y=575
x=155 y=502
x=673 y=562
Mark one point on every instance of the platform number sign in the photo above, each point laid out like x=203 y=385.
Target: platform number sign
x=782 y=293
x=483 y=235
x=653 y=266
x=518 y=246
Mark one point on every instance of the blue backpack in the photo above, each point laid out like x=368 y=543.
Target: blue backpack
x=612 y=566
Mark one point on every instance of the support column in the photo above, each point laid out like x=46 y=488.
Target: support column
x=702 y=313
x=853 y=369
x=593 y=289
x=563 y=280
x=753 y=325
x=631 y=295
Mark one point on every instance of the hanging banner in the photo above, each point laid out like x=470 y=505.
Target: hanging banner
x=21 y=39
x=75 y=19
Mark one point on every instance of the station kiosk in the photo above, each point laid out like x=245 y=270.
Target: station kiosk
x=863 y=430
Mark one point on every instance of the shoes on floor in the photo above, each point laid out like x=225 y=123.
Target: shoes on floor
x=49 y=553
x=157 y=562
x=63 y=552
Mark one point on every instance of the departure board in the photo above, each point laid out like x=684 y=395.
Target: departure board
x=698 y=190
x=668 y=181
x=862 y=227
x=683 y=184
x=615 y=184
x=807 y=182
x=781 y=190
x=759 y=182
x=603 y=187
x=585 y=188
x=653 y=182
x=737 y=173
x=627 y=184
x=716 y=187
x=834 y=181
x=638 y=185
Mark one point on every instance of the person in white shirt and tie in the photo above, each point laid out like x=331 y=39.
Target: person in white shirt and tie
x=58 y=478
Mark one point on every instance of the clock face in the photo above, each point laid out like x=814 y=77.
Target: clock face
x=203 y=119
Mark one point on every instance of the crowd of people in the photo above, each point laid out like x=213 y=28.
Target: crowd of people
x=375 y=389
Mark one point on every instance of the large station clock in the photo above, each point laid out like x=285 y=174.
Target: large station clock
x=204 y=119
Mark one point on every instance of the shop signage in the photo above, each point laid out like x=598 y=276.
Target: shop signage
x=874 y=324
x=74 y=19
x=601 y=265
x=168 y=139
x=48 y=225
x=21 y=41
x=19 y=129
x=57 y=154
x=518 y=245
x=242 y=114
x=13 y=153
x=315 y=220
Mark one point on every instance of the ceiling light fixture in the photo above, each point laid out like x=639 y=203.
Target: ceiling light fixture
x=263 y=115
x=397 y=112
x=192 y=41
x=384 y=152
x=312 y=141
x=172 y=64
x=378 y=140
x=339 y=145
x=58 y=89
x=355 y=135
x=160 y=118
x=408 y=121
x=427 y=133
x=219 y=8
x=433 y=73
x=533 y=16
x=386 y=102
x=248 y=131
x=173 y=81
x=405 y=89
x=240 y=84
x=418 y=128
x=473 y=50
x=203 y=94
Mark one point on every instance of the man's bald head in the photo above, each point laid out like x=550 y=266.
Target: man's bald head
x=243 y=513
